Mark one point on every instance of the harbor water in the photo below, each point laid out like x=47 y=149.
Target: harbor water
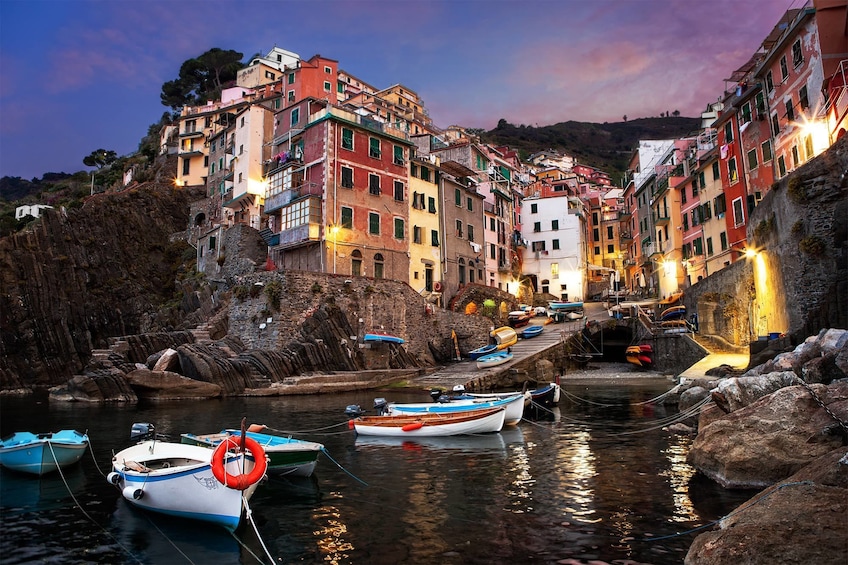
x=599 y=479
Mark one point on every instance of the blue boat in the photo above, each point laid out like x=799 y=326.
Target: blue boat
x=531 y=331
x=385 y=338
x=494 y=359
x=39 y=454
x=481 y=351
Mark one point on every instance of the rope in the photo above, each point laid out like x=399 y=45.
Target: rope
x=292 y=432
x=91 y=450
x=327 y=454
x=86 y=514
x=249 y=516
x=735 y=512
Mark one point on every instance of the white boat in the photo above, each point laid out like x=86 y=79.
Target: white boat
x=432 y=425
x=39 y=454
x=513 y=404
x=494 y=359
x=180 y=480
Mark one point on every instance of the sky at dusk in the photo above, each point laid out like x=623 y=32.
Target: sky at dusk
x=79 y=75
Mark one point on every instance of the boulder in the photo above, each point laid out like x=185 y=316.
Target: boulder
x=165 y=385
x=768 y=440
x=106 y=385
x=799 y=520
x=738 y=392
x=169 y=360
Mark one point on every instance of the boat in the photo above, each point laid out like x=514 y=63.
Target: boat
x=505 y=337
x=640 y=355
x=286 y=455
x=431 y=425
x=513 y=404
x=383 y=338
x=531 y=331
x=564 y=306
x=480 y=351
x=188 y=481
x=545 y=397
x=494 y=359
x=518 y=318
x=673 y=313
x=39 y=454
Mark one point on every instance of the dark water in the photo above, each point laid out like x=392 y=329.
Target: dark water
x=579 y=485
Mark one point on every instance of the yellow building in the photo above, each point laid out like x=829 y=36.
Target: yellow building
x=425 y=258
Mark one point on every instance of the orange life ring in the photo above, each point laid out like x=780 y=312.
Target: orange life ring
x=243 y=481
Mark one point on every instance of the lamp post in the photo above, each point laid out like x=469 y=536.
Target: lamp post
x=334 y=231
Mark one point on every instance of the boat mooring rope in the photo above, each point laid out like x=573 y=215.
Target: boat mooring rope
x=337 y=464
x=313 y=430
x=249 y=516
x=735 y=512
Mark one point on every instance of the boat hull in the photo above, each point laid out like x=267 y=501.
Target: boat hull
x=432 y=425
x=26 y=452
x=531 y=331
x=385 y=338
x=504 y=337
x=176 y=479
x=494 y=359
x=513 y=405
x=481 y=351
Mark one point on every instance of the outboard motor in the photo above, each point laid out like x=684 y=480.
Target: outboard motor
x=141 y=431
x=354 y=410
x=435 y=394
x=381 y=406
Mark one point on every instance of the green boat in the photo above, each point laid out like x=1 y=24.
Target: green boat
x=286 y=455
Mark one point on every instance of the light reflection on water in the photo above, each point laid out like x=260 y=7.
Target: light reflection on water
x=572 y=487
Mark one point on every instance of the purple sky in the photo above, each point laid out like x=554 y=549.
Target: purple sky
x=79 y=75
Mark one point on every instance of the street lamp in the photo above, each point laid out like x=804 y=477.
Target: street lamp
x=334 y=231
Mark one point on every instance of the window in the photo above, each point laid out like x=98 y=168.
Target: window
x=278 y=103
x=418 y=200
x=425 y=174
x=373 y=147
x=596 y=234
x=295 y=116
x=241 y=125
x=784 y=70
x=186 y=165
x=291 y=78
x=709 y=246
x=534 y=208
x=720 y=205
x=373 y=223
x=416 y=234
x=212 y=169
x=723 y=240
x=795 y=160
x=610 y=249
x=347 y=177
x=434 y=238
x=775 y=125
x=457 y=197
x=399 y=191
x=790 y=110
x=399 y=228
x=469 y=203
x=340 y=87
x=554 y=270
x=431 y=204
x=752 y=159
x=781 y=166
x=470 y=232
x=491 y=251
x=597 y=250
x=356 y=263
x=398 y=155
x=270 y=75
x=738 y=213
x=731 y=170
x=699 y=246
x=413 y=170
x=797 y=54
x=459 y=228
x=746 y=113
x=537 y=246
x=347 y=138
x=594 y=218
x=696 y=217
x=610 y=231
x=555 y=244
x=537 y=226
x=554 y=225
x=378 y=265
x=328 y=70
x=685 y=222
x=347 y=217
x=291 y=95
x=683 y=195
x=327 y=86
x=728 y=132
x=374 y=184
x=803 y=98
x=760 y=103
x=766 y=147
x=808 y=146
x=769 y=82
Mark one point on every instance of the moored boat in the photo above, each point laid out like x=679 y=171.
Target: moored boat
x=531 y=331
x=39 y=454
x=188 y=481
x=286 y=455
x=494 y=359
x=432 y=425
x=544 y=398
x=513 y=404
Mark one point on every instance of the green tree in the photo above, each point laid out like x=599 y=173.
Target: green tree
x=100 y=158
x=202 y=78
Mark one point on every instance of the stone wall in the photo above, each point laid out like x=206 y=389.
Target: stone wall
x=723 y=302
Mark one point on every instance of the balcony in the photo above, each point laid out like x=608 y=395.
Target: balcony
x=191 y=134
x=191 y=152
x=661 y=218
x=624 y=214
x=277 y=201
x=625 y=236
x=294 y=237
x=504 y=267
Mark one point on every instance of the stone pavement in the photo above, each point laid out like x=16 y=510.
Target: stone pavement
x=699 y=370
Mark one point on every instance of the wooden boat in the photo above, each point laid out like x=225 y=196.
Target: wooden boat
x=673 y=313
x=505 y=336
x=432 y=425
x=543 y=400
x=640 y=355
x=382 y=337
x=531 y=331
x=286 y=455
x=494 y=359
x=513 y=404
x=39 y=454
x=186 y=480
x=481 y=351
x=518 y=318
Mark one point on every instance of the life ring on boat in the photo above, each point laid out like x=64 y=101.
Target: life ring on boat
x=245 y=480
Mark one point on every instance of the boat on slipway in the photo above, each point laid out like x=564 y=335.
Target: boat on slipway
x=380 y=337
x=531 y=332
x=494 y=359
x=505 y=337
